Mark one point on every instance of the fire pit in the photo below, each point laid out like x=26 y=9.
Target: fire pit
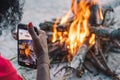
x=82 y=39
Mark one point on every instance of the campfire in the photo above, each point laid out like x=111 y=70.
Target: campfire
x=82 y=38
x=78 y=31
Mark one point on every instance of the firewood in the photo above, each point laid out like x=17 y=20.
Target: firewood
x=106 y=32
x=77 y=62
x=57 y=53
x=47 y=25
x=51 y=50
x=99 y=65
x=103 y=32
x=65 y=67
x=78 y=59
x=98 y=42
x=90 y=67
x=117 y=43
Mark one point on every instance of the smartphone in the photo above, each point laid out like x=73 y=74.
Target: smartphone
x=26 y=55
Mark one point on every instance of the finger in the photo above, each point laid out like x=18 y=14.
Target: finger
x=42 y=32
x=32 y=31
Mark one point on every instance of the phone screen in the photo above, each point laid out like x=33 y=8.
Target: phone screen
x=26 y=55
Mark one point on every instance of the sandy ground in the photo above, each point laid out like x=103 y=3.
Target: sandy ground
x=40 y=10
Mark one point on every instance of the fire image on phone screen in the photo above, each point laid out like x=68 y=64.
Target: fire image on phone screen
x=25 y=49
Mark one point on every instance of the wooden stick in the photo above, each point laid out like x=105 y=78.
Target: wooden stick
x=78 y=59
x=101 y=32
x=101 y=53
x=52 y=49
x=106 y=32
x=117 y=43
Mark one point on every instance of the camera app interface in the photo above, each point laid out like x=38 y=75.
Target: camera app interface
x=26 y=53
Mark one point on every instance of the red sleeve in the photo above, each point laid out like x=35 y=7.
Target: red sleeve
x=7 y=71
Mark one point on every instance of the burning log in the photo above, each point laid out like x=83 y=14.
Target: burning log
x=102 y=32
x=78 y=60
x=57 y=52
x=106 y=32
x=47 y=25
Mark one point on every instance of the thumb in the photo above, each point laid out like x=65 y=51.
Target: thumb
x=31 y=30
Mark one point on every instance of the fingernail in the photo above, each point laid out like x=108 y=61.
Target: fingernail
x=30 y=25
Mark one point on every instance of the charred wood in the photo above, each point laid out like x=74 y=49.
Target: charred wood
x=99 y=65
x=104 y=15
x=57 y=53
x=106 y=32
x=88 y=65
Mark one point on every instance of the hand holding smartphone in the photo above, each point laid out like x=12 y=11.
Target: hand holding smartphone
x=32 y=48
x=26 y=55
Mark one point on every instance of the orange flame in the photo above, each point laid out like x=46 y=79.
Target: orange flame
x=101 y=15
x=92 y=40
x=78 y=32
x=72 y=10
x=65 y=18
x=55 y=31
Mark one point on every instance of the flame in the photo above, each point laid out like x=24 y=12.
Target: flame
x=65 y=18
x=101 y=15
x=55 y=31
x=94 y=2
x=72 y=10
x=74 y=7
x=78 y=32
x=26 y=47
x=92 y=40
